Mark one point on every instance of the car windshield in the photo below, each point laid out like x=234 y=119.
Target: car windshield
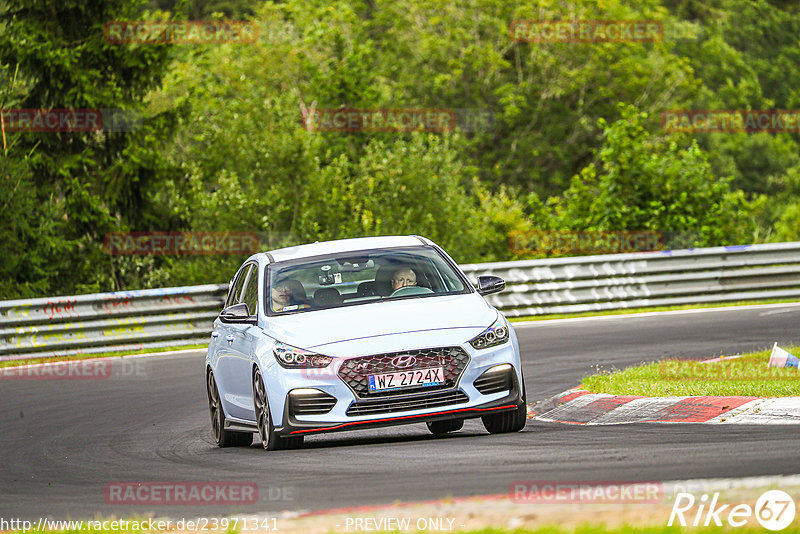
x=352 y=278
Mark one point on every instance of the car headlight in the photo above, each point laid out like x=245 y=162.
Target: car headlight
x=294 y=358
x=497 y=334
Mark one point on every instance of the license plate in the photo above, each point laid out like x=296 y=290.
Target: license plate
x=404 y=379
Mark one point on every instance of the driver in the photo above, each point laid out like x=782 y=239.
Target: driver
x=403 y=277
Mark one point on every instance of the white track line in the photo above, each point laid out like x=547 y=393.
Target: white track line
x=546 y=322
x=775 y=411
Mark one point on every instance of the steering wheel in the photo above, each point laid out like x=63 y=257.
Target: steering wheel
x=410 y=290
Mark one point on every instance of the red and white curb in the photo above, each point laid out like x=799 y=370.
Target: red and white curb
x=581 y=407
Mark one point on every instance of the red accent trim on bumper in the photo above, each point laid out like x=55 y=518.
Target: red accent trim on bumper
x=326 y=429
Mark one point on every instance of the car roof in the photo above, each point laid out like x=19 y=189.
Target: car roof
x=345 y=245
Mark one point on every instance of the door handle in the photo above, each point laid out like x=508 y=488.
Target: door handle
x=215 y=335
x=229 y=339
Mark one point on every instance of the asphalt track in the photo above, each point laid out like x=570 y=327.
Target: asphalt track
x=63 y=441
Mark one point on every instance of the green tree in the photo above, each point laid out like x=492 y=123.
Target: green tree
x=546 y=97
x=203 y=9
x=643 y=182
x=95 y=181
x=248 y=164
x=788 y=226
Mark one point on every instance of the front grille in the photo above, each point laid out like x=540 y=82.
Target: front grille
x=494 y=381
x=415 y=402
x=311 y=404
x=355 y=371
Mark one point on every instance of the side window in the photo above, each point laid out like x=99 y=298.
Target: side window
x=236 y=290
x=251 y=291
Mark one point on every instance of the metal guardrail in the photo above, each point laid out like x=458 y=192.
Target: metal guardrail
x=133 y=320
x=108 y=322
x=644 y=279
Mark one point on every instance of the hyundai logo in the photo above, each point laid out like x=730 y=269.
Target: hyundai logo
x=403 y=361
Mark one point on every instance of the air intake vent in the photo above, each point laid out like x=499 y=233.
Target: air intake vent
x=415 y=402
x=314 y=402
x=495 y=380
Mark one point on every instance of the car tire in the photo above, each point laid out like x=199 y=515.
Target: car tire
x=270 y=440
x=223 y=438
x=513 y=421
x=443 y=427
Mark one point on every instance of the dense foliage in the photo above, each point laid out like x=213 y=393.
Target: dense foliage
x=573 y=141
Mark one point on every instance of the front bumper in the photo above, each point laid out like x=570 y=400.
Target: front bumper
x=343 y=416
x=509 y=402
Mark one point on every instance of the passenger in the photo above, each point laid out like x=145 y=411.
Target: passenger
x=287 y=295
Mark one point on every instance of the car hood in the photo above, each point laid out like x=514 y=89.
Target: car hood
x=364 y=325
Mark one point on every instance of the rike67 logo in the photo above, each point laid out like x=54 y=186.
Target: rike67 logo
x=774 y=510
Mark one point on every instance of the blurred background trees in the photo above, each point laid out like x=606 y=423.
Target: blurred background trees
x=574 y=142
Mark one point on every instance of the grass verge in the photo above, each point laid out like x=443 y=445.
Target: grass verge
x=744 y=376
x=51 y=359
x=626 y=311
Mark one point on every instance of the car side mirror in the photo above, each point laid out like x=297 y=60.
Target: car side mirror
x=238 y=313
x=489 y=284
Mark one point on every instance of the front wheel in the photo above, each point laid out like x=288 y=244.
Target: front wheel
x=513 y=421
x=270 y=440
x=224 y=438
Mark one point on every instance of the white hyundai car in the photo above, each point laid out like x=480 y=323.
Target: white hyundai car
x=359 y=333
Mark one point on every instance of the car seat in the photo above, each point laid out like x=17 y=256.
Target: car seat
x=327 y=296
x=298 y=291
